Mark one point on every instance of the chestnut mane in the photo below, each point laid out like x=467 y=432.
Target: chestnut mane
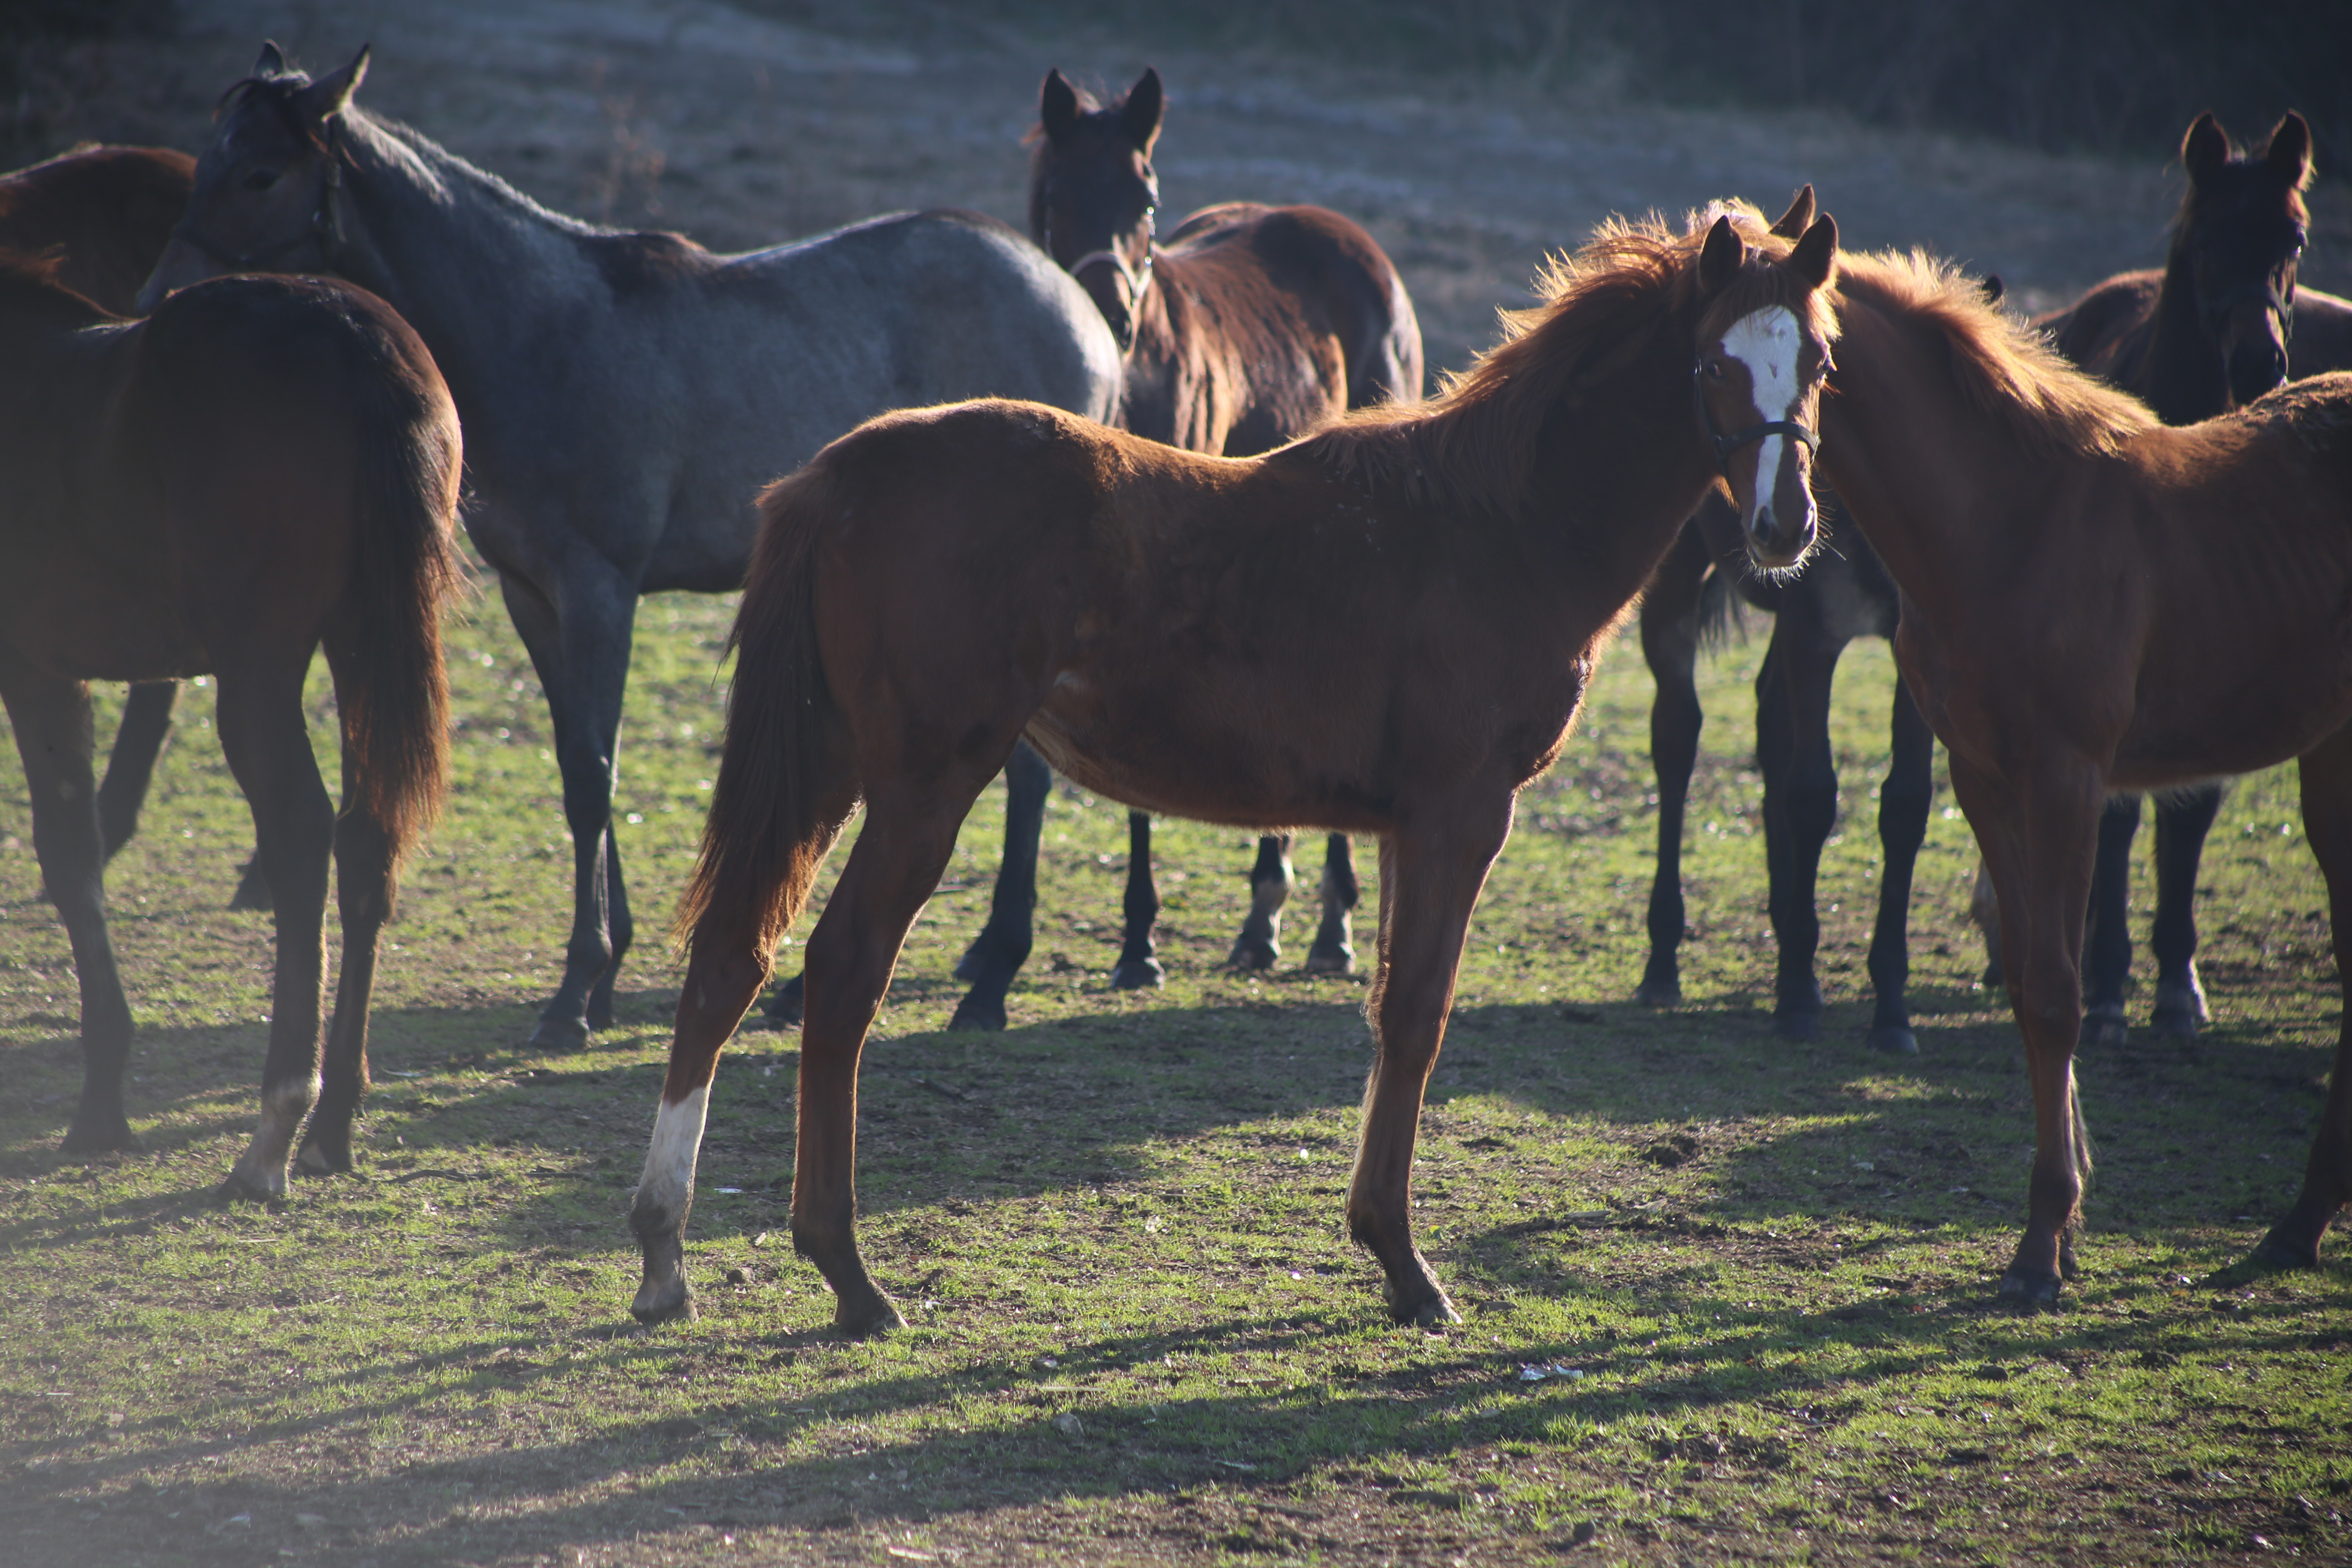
x=2001 y=365
x=1472 y=446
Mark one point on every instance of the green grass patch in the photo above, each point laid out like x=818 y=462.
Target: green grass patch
x=1727 y=1298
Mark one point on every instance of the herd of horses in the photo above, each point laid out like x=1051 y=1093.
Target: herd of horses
x=1173 y=519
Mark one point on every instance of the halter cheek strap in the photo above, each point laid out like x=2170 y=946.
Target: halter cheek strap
x=325 y=228
x=1725 y=446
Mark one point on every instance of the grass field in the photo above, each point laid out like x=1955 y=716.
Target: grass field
x=1726 y=1299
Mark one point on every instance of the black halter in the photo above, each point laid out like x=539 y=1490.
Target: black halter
x=1726 y=445
x=2275 y=288
x=326 y=225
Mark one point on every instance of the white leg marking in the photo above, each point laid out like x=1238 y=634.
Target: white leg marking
x=1768 y=341
x=668 y=1181
x=262 y=1166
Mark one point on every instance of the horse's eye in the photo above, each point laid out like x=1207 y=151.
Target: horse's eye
x=261 y=179
x=1715 y=370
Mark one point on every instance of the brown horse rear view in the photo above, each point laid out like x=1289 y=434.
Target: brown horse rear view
x=1385 y=629
x=263 y=466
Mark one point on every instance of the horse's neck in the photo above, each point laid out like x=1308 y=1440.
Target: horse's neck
x=1938 y=483
x=2180 y=373
x=470 y=264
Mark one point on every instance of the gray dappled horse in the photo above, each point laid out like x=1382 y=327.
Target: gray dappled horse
x=625 y=395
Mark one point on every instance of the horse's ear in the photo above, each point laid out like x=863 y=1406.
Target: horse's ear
x=332 y=94
x=2206 y=148
x=272 y=61
x=1992 y=288
x=1721 y=258
x=1815 y=257
x=1146 y=101
x=2290 y=154
x=1798 y=217
x=1057 y=105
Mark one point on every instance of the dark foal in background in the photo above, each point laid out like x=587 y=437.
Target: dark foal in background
x=1843 y=593
x=2222 y=323
x=1387 y=627
x=263 y=467
x=625 y=396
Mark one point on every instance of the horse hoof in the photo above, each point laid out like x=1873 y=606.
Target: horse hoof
x=2174 y=1020
x=559 y=1035
x=1992 y=980
x=1251 y=952
x=2105 y=1030
x=252 y=891
x=317 y=1159
x=865 y=1314
x=599 y=1014
x=1430 y=1311
x=1800 y=1026
x=98 y=1135
x=2025 y=1289
x=659 y=1300
x=1659 y=993
x=1896 y=1040
x=2278 y=1251
x=784 y=1009
x=1138 y=974
x=1339 y=960
x=972 y=1013
x=237 y=1187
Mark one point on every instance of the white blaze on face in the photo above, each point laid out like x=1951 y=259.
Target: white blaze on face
x=668 y=1180
x=1768 y=342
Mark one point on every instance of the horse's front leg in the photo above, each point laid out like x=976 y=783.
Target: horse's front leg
x=994 y=958
x=1260 y=944
x=2039 y=843
x=1670 y=615
x=131 y=766
x=1792 y=753
x=2294 y=1241
x=268 y=750
x=52 y=721
x=1139 y=960
x=1430 y=877
x=1334 y=950
x=2182 y=821
x=579 y=643
x=2106 y=937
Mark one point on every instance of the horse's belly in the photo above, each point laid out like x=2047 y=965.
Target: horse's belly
x=99 y=636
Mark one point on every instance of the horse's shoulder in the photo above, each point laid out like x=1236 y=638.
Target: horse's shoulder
x=634 y=264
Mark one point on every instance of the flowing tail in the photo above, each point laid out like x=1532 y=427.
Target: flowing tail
x=788 y=775
x=392 y=687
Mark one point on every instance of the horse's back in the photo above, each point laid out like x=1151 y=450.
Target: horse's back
x=1315 y=253
x=933 y=307
x=2323 y=333
x=2099 y=331
x=106 y=211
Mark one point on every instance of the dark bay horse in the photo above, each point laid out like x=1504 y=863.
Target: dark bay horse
x=2092 y=601
x=1843 y=593
x=625 y=396
x=2222 y=323
x=1249 y=327
x=104 y=215
x=263 y=466
x=1384 y=628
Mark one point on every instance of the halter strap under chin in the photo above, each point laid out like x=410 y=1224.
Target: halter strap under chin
x=326 y=225
x=1726 y=445
x=1138 y=279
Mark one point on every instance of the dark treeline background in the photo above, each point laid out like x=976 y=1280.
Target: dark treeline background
x=2120 y=77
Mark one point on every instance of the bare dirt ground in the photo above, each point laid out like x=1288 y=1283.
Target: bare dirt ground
x=741 y=130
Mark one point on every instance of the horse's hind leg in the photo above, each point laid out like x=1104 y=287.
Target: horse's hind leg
x=997 y=955
x=2182 y=821
x=131 y=766
x=2294 y=1241
x=1430 y=877
x=1903 y=803
x=901 y=854
x=1139 y=962
x=52 y=721
x=1334 y=952
x=268 y=750
x=364 y=892
x=620 y=929
x=2106 y=941
x=1260 y=944
x=1670 y=611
